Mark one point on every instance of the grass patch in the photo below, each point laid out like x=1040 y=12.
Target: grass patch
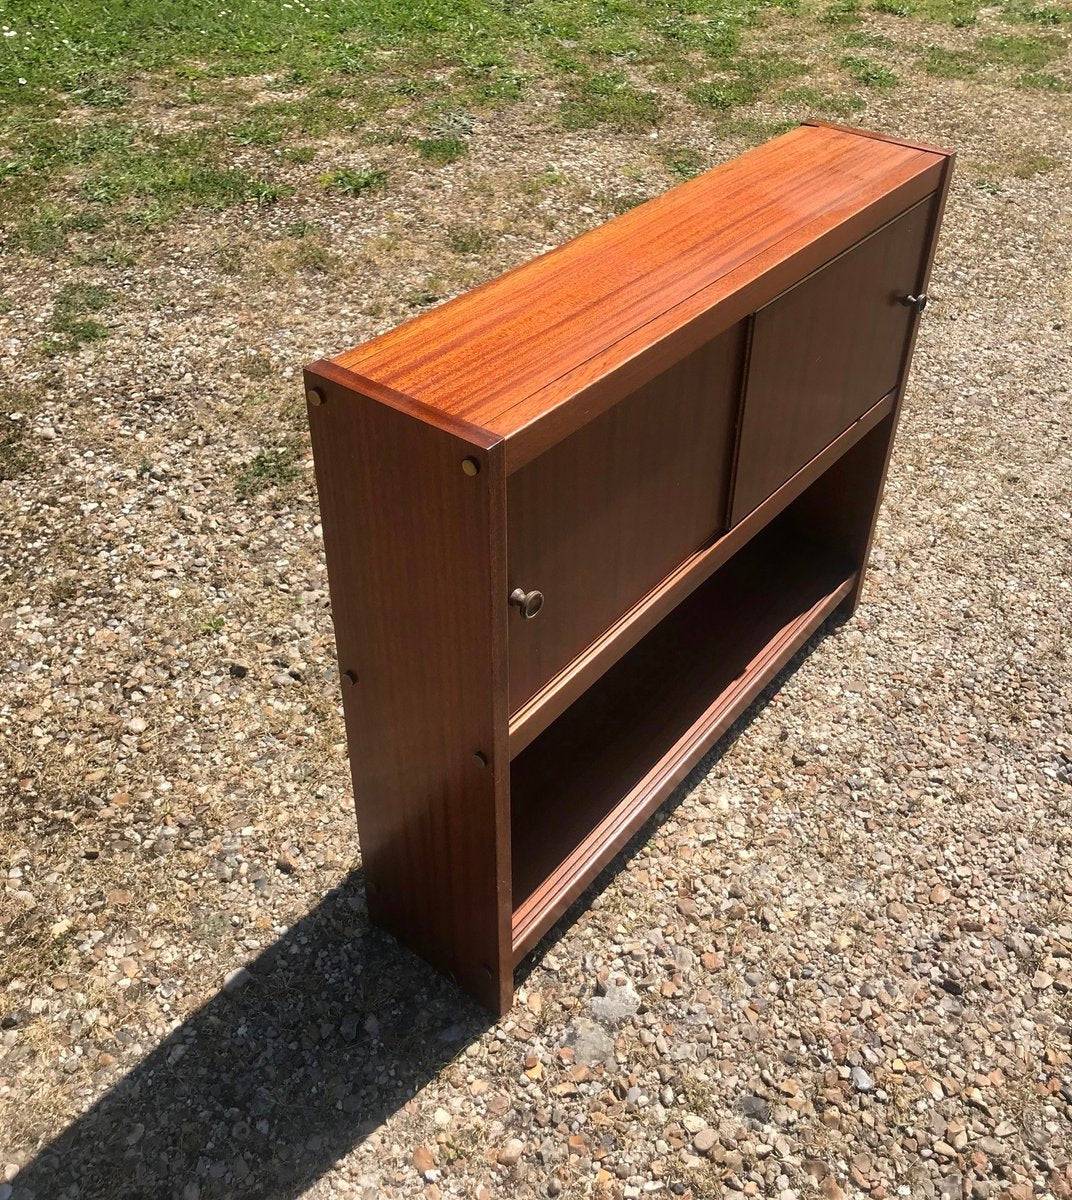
x=1028 y=12
x=468 y=239
x=1025 y=166
x=72 y=326
x=894 y=8
x=824 y=104
x=683 y=161
x=354 y=182
x=304 y=250
x=1043 y=81
x=268 y=470
x=608 y=98
x=1018 y=50
x=755 y=130
x=948 y=64
x=14 y=457
x=46 y=231
x=171 y=175
x=722 y=95
x=1028 y=165
x=866 y=39
x=441 y=150
x=841 y=12
x=867 y=73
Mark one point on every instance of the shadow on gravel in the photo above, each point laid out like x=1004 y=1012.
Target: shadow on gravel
x=264 y=1089
x=267 y=1086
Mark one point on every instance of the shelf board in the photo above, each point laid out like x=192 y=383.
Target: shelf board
x=537 y=713
x=588 y=783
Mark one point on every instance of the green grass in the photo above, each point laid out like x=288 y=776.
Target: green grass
x=1018 y=50
x=868 y=73
x=72 y=326
x=133 y=113
x=1043 y=81
x=948 y=64
x=441 y=150
x=354 y=182
x=683 y=161
x=841 y=12
x=813 y=102
x=468 y=239
x=268 y=470
x=609 y=99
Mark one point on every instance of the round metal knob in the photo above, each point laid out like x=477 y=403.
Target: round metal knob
x=530 y=603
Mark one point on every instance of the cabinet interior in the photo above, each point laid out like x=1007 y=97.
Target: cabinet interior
x=579 y=791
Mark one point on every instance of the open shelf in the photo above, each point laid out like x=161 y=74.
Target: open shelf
x=588 y=782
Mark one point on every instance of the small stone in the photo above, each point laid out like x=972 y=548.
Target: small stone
x=757 y=1108
x=693 y=1123
x=423 y=1160
x=861 y=1081
x=619 y=1002
x=591 y=1042
x=59 y=983
x=238 y=978
x=896 y=911
x=287 y=863
x=1040 y=981
x=509 y=1154
x=136 y=725
x=705 y=1141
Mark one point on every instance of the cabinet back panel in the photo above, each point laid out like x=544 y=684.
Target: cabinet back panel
x=598 y=520
x=825 y=352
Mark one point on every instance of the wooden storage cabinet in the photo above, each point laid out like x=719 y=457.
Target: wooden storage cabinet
x=577 y=519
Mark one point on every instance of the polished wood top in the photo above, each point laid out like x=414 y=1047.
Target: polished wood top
x=538 y=352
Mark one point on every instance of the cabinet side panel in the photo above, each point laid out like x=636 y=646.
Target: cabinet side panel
x=416 y=565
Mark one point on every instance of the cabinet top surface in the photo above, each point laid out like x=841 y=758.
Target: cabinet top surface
x=501 y=356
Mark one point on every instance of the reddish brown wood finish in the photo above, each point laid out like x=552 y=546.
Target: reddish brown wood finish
x=583 y=788
x=417 y=554
x=524 y=354
x=533 y=717
x=677 y=427
x=825 y=351
x=579 y=517
x=867 y=520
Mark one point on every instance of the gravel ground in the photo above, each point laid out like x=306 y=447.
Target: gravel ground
x=839 y=964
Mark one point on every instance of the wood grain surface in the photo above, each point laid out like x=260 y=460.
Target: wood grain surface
x=416 y=554
x=587 y=784
x=825 y=352
x=599 y=519
x=481 y=356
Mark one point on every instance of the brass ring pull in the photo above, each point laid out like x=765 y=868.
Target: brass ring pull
x=529 y=603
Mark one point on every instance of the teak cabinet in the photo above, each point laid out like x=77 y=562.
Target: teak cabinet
x=578 y=518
